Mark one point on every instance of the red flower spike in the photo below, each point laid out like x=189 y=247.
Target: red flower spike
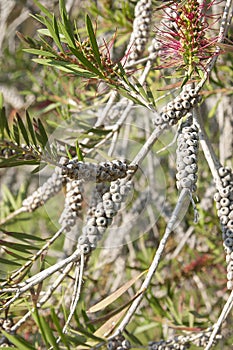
x=186 y=44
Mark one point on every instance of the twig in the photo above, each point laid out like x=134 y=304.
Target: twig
x=221 y=36
x=13 y=214
x=39 y=277
x=77 y=291
x=45 y=298
x=225 y=311
x=207 y=148
x=185 y=194
x=35 y=257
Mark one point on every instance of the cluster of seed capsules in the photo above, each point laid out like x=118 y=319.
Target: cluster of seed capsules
x=101 y=172
x=179 y=107
x=183 y=342
x=51 y=187
x=141 y=27
x=73 y=204
x=6 y=325
x=224 y=205
x=118 y=343
x=187 y=152
x=100 y=216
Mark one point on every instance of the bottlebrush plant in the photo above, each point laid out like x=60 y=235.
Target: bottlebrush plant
x=112 y=153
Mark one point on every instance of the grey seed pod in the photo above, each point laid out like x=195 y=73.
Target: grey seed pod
x=230 y=285
x=230 y=223
x=192 y=93
x=91 y=230
x=106 y=196
x=184 y=95
x=110 y=213
x=114 y=188
x=82 y=239
x=181 y=174
x=188 y=160
x=217 y=197
x=186 y=104
x=223 y=211
x=185 y=183
x=99 y=212
x=165 y=117
x=229 y=233
x=116 y=197
x=92 y=221
x=178 y=106
x=108 y=204
x=85 y=248
x=101 y=221
x=222 y=171
x=93 y=239
x=223 y=219
x=228 y=242
x=192 y=168
x=224 y=202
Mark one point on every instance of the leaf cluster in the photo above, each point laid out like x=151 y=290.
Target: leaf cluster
x=81 y=58
x=24 y=142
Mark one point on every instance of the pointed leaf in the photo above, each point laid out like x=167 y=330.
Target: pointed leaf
x=37 y=318
x=56 y=322
x=40 y=52
x=57 y=34
x=9 y=262
x=43 y=9
x=16 y=133
x=79 y=152
x=115 y=295
x=30 y=128
x=93 y=41
x=109 y=326
x=23 y=129
x=19 y=342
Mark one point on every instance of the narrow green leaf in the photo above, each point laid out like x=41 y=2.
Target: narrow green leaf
x=9 y=262
x=65 y=67
x=19 y=342
x=39 y=168
x=66 y=26
x=31 y=129
x=22 y=236
x=85 y=62
x=7 y=163
x=37 y=318
x=49 y=334
x=57 y=34
x=23 y=129
x=16 y=256
x=78 y=151
x=43 y=9
x=8 y=196
x=93 y=41
x=18 y=246
x=57 y=323
x=16 y=133
x=40 y=52
x=150 y=96
x=4 y=123
x=140 y=88
x=1 y=100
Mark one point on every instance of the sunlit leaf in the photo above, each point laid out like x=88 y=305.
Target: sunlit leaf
x=19 y=342
x=93 y=41
x=115 y=295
